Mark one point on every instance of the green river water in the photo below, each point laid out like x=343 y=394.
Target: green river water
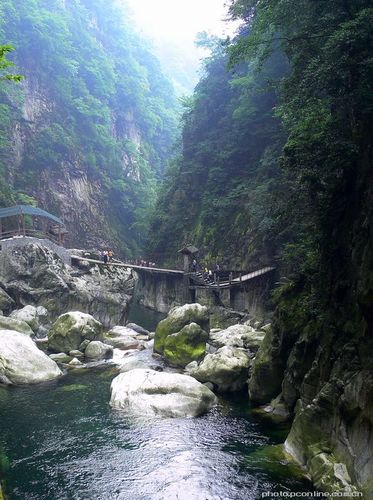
x=62 y=440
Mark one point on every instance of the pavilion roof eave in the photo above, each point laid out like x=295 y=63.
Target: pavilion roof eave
x=28 y=210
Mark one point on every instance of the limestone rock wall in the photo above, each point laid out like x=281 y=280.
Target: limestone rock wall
x=160 y=291
x=34 y=274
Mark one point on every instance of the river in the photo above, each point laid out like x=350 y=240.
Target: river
x=62 y=440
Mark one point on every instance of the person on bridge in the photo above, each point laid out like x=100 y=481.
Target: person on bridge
x=110 y=254
x=205 y=274
x=106 y=256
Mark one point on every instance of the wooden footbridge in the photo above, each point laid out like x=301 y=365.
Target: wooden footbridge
x=222 y=280
x=117 y=263
x=162 y=288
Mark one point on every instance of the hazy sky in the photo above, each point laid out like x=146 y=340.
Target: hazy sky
x=180 y=20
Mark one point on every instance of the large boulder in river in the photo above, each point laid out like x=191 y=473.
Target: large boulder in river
x=227 y=369
x=185 y=346
x=177 y=318
x=71 y=329
x=21 y=362
x=151 y=393
x=243 y=336
x=15 y=325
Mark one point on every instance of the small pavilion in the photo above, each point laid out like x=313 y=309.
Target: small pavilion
x=26 y=220
x=189 y=252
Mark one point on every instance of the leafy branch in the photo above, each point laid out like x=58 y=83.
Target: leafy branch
x=5 y=64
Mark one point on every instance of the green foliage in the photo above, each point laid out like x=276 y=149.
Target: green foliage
x=102 y=107
x=5 y=65
x=219 y=191
x=326 y=109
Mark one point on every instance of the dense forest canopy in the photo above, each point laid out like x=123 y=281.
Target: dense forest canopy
x=94 y=105
x=270 y=146
x=224 y=186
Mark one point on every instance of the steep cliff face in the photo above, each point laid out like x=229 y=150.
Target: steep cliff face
x=221 y=190
x=88 y=131
x=321 y=368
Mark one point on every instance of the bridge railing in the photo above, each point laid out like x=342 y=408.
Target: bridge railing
x=33 y=233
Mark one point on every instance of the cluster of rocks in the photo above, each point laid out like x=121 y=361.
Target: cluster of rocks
x=34 y=274
x=198 y=362
x=189 y=364
x=74 y=340
x=220 y=357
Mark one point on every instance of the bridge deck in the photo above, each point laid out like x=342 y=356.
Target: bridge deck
x=215 y=286
x=131 y=266
x=236 y=281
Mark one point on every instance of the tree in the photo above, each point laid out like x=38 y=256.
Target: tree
x=5 y=64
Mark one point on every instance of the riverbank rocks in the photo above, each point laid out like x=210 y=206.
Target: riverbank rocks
x=177 y=318
x=222 y=317
x=21 y=362
x=267 y=370
x=185 y=346
x=16 y=325
x=71 y=329
x=33 y=316
x=61 y=357
x=151 y=393
x=6 y=302
x=33 y=272
x=227 y=369
x=139 y=329
x=98 y=350
x=243 y=336
x=124 y=338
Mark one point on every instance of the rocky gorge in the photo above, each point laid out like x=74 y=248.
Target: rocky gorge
x=57 y=319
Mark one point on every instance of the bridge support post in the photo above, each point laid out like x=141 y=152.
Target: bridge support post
x=186 y=291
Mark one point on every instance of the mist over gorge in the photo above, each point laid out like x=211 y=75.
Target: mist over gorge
x=88 y=132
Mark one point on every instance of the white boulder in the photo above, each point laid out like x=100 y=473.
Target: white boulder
x=243 y=336
x=21 y=362
x=33 y=316
x=151 y=393
x=98 y=350
x=15 y=325
x=227 y=369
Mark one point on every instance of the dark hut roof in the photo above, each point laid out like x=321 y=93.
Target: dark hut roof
x=189 y=250
x=28 y=210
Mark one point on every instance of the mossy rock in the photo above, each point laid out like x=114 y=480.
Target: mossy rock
x=267 y=372
x=71 y=329
x=188 y=345
x=15 y=325
x=177 y=318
